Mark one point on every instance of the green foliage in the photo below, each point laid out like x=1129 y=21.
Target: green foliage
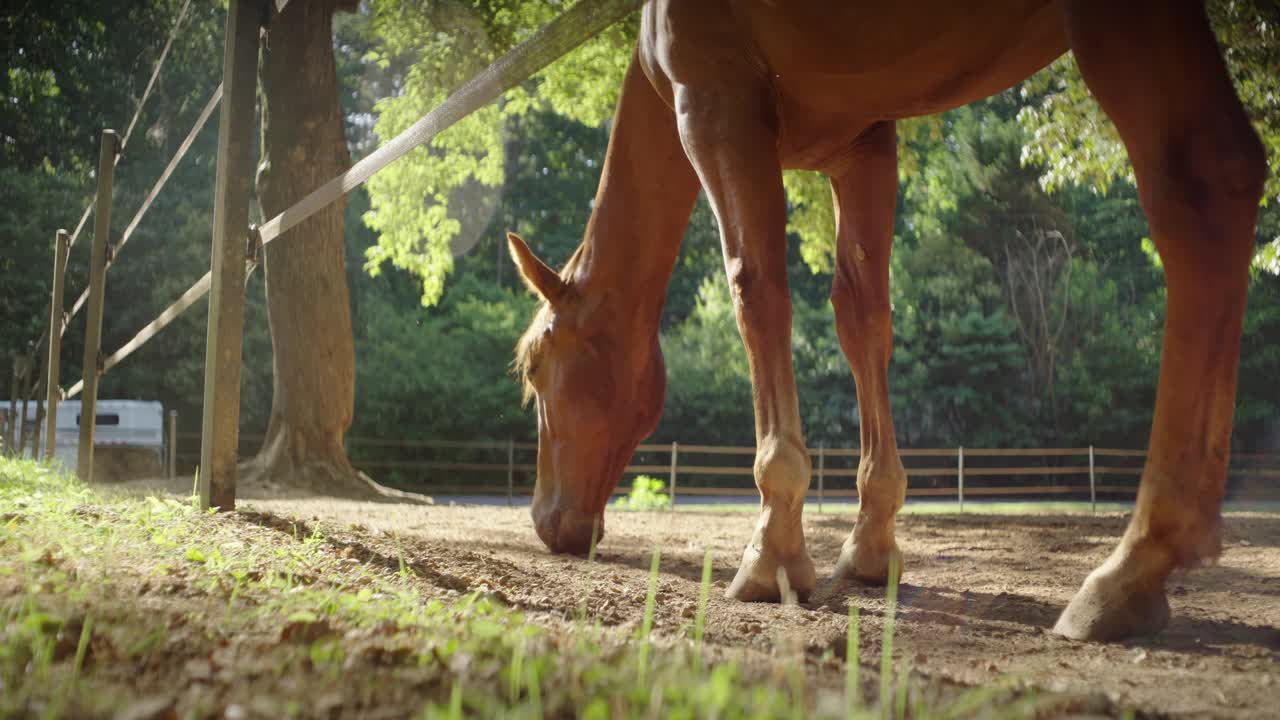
x=420 y=204
x=35 y=201
x=956 y=362
x=1257 y=419
x=647 y=494
x=441 y=372
x=812 y=217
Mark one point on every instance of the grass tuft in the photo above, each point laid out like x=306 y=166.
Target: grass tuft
x=852 y=664
x=886 y=644
x=704 y=598
x=646 y=626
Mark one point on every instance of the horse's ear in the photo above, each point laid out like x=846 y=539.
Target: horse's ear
x=540 y=278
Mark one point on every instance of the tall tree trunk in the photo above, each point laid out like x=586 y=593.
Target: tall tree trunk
x=303 y=146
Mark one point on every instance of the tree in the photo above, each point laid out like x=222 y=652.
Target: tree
x=303 y=145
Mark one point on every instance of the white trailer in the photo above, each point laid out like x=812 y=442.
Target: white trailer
x=129 y=437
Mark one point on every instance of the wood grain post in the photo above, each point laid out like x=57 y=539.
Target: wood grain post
x=511 y=473
x=1093 y=485
x=173 y=445
x=53 y=379
x=822 y=462
x=220 y=426
x=29 y=367
x=35 y=430
x=10 y=438
x=960 y=475
x=107 y=151
x=675 y=452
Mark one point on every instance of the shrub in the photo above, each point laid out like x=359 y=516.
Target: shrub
x=647 y=493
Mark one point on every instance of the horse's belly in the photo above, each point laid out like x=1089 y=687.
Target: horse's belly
x=837 y=67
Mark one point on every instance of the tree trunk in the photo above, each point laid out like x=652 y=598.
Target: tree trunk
x=303 y=146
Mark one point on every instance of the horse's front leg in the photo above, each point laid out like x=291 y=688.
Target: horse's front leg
x=731 y=138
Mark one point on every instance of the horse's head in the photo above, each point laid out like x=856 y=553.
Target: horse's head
x=597 y=383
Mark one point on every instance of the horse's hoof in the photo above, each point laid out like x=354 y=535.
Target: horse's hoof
x=763 y=578
x=1111 y=607
x=867 y=563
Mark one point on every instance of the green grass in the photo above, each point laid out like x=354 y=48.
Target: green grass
x=109 y=600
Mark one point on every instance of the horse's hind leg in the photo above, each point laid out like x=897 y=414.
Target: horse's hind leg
x=728 y=135
x=1156 y=70
x=865 y=195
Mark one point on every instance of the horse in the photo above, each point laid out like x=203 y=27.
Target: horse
x=722 y=95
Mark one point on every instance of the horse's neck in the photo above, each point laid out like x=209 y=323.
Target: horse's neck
x=646 y=194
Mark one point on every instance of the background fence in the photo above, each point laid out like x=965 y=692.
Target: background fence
x=508 y=467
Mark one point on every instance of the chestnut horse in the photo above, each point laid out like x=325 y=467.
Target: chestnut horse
x=724 y=94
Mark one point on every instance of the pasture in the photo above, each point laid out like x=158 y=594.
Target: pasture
x=133 y=603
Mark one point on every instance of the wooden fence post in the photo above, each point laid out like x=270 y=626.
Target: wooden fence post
x=8 y=438
x=511 y=472
x=675 y=450
x=1093 y=486
x=35 y=431
x=960 y=474
x=109 y=148
x=173 y=444
x=53 y=380
x=28 y=373
x=220 y=426
x=822 y=460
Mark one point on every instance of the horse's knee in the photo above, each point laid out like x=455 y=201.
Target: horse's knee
x=760 y=295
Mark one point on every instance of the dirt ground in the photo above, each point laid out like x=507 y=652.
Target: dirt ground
x=976 y=603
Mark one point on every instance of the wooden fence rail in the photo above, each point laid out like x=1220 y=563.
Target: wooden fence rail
x=689 y=475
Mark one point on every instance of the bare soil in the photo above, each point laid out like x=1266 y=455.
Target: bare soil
x=978 y=598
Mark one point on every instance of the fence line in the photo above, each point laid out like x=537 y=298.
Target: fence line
x=101 y=257
x=682 y=468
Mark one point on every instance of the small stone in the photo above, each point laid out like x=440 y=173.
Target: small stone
x=147 y=709
x=1139 y=657
x=199 y=669
x=235 y=712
